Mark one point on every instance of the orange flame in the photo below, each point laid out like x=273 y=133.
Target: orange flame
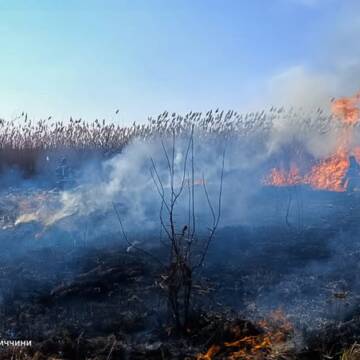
x=329 y=173
x=280 y=177
x=347 y=109
x=275 y=333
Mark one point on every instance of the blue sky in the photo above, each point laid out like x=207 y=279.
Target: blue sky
x=88 y=58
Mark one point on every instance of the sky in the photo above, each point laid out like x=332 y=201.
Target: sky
x=89 y=58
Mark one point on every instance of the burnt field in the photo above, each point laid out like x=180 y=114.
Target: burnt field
x=287 y=293
x=215 y=236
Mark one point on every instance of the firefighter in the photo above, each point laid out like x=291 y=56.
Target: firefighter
x=352 y=176
x=63 y=174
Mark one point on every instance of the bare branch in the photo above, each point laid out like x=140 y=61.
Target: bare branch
x=129 y=242
x=214 y=228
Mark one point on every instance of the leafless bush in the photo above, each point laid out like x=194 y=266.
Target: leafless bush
x=187 y=251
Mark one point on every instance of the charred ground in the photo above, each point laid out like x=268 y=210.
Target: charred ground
x=103 y=302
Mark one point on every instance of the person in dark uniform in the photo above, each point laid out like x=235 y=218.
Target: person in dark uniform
x=352 y=176
x=63 y=174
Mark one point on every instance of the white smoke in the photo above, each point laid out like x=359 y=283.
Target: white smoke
x=301 y=88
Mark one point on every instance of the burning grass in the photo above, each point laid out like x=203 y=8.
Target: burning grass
x=329 y=173
x=271 y=340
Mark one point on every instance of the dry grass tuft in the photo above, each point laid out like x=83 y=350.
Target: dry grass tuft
x=352 y=353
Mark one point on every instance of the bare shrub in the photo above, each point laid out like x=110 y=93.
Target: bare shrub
x=187 y=251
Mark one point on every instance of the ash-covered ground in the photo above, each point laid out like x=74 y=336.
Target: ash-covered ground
x=81 y=293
